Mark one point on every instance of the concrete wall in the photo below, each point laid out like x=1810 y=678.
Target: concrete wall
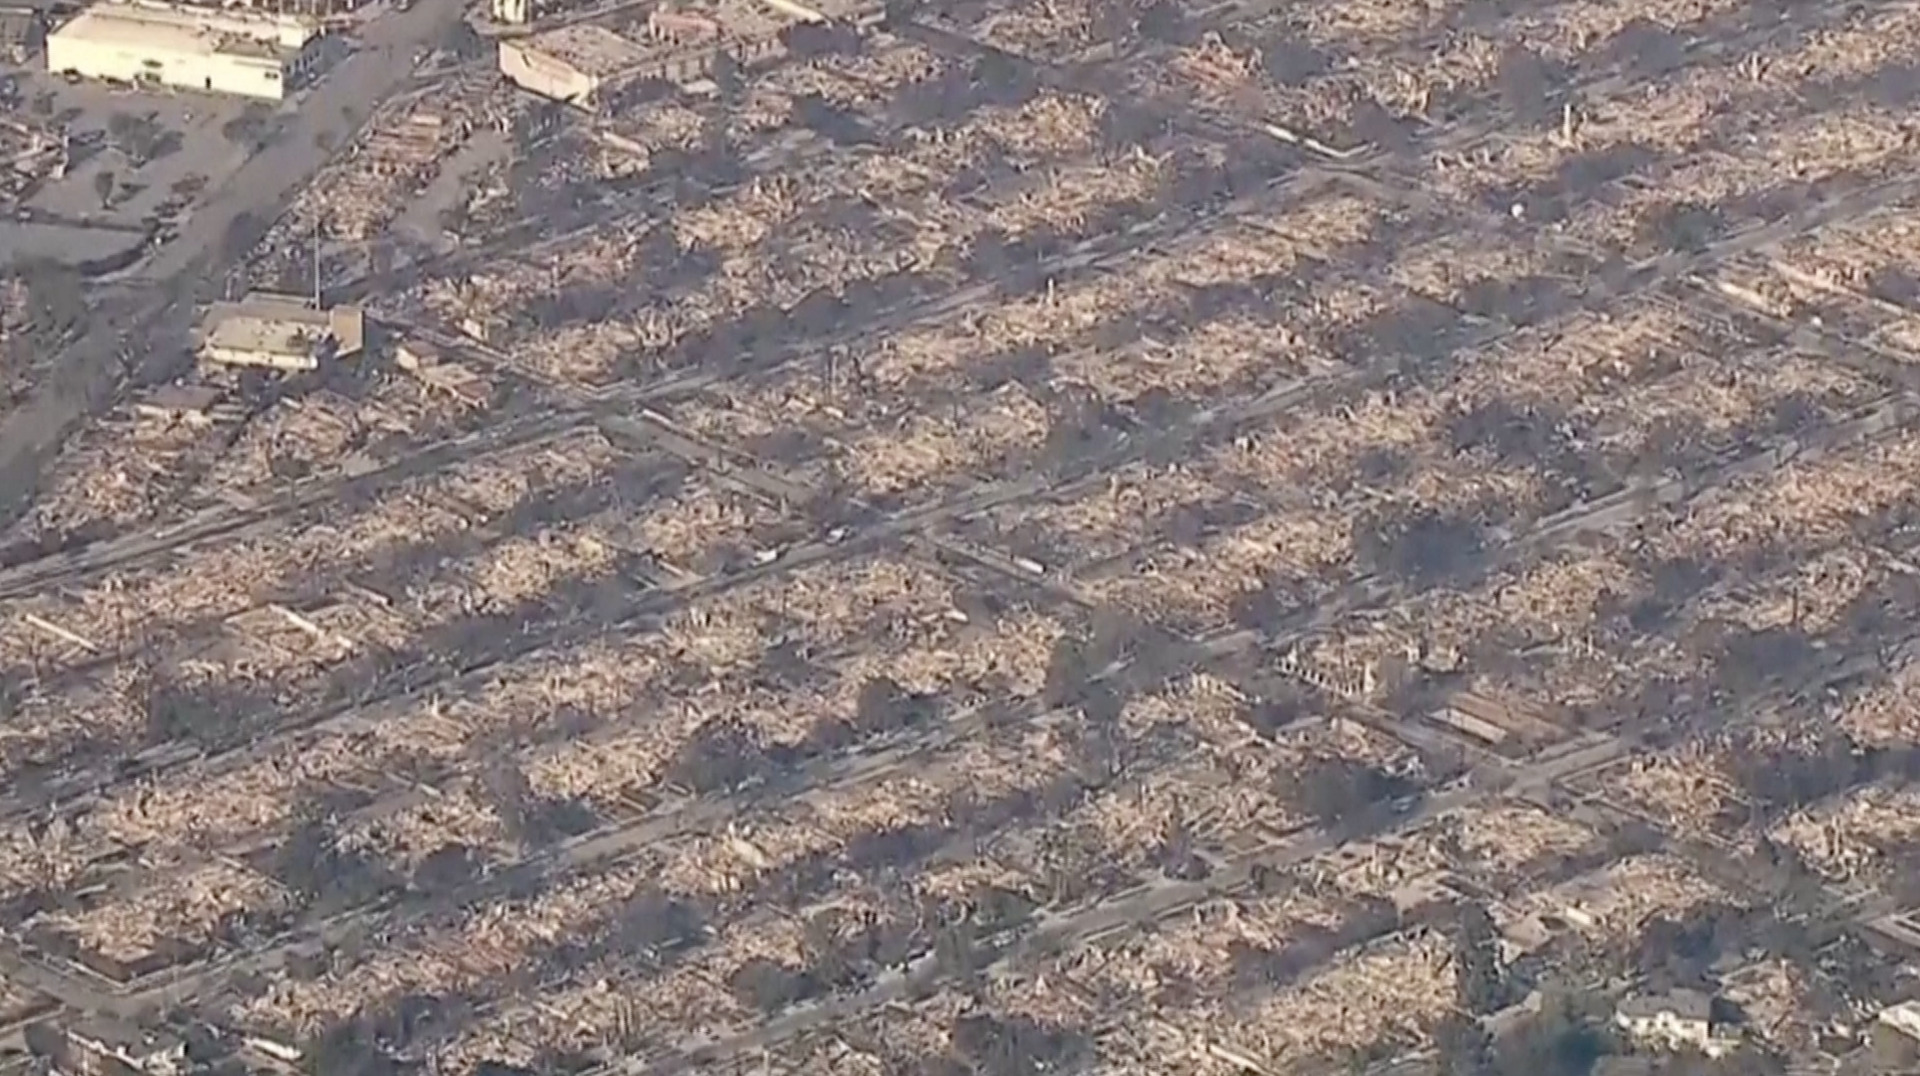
x=248 y=76
x=272 y=360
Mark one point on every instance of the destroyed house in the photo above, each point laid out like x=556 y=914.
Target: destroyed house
x=691 y=44
x=405 y=147
x=528 y=126
x=99 y=1047
x=192 y=404
x=1903 y=1018
x=432 y=368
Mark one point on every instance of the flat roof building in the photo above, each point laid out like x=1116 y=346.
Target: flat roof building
x=588 y=66
x=575 y=64
x=280 y=333
x=244 y=53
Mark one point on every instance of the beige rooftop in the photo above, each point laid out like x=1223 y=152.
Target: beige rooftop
x=280 y=332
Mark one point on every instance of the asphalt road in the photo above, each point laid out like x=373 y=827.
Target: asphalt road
x=146 y=328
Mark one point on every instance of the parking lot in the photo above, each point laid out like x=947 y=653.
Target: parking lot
x=156 y=147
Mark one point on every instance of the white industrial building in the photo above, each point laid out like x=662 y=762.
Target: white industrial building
x=247 y=53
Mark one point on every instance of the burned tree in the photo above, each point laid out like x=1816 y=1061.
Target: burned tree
x=347 y=1050
x=769 y=987
x=530 y=818
x=722 y=756
x=884 y=706
x=1421 y=546
x=313 y=864
x=650 y=920
x=1479 y=974
x=1344 y=792
x=56 y=296
x=1013 y=1046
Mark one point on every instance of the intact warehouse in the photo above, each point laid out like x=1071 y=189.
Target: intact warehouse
x=250 y=54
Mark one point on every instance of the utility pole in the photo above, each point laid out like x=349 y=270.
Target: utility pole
x=317 y=225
